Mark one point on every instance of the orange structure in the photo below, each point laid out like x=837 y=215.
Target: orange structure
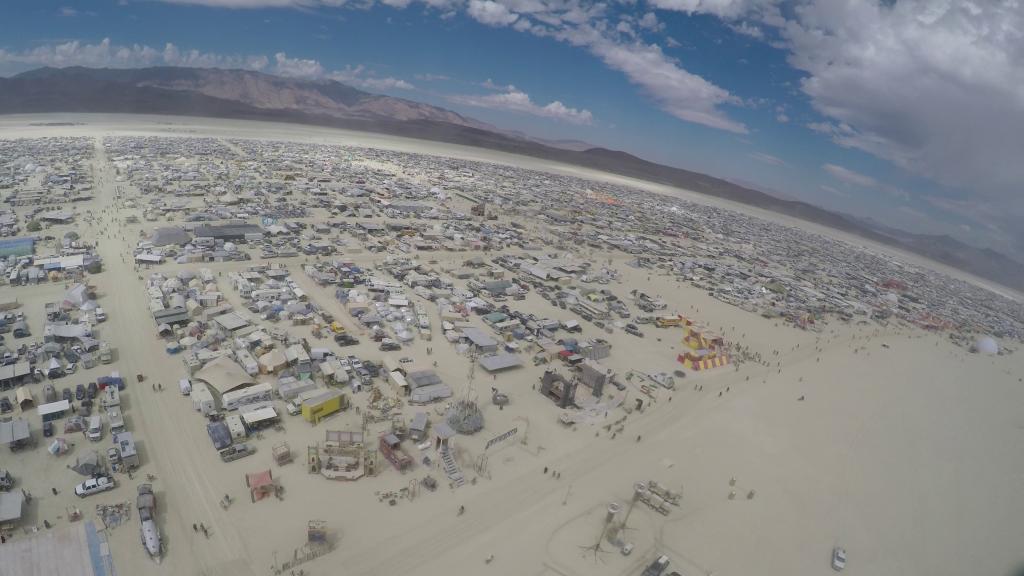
x=706 y=351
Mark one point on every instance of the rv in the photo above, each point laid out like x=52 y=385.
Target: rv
x=185 y=386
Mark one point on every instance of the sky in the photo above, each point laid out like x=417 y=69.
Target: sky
x=909 y=112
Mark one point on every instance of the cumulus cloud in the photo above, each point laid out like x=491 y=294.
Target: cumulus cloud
x=491 y=13
x=296 y=67
x=105 y=54
x=933 y=86
x=585 y=23
x=936 y=88
x=359 y=77
x=748 y=29
x=516 y=100
x=250 y=4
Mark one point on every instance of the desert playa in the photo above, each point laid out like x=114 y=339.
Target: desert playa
x=769 y=429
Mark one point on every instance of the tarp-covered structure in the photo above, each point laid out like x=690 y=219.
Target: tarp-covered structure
x=88 y=464
x=224 y=375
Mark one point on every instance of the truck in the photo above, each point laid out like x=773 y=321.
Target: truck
x=105 y=355
x=110 y=397
x=146 y=504
x=656 y=568
x=95 y=486
x=116 y=419
x=236 y=451
x=95 y=430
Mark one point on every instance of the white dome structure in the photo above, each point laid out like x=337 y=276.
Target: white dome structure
x=986 y=345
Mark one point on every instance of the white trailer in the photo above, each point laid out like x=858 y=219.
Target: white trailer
x=261 y=392
x=202 y=400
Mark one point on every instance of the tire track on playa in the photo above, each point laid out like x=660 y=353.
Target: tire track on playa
x=187 y=493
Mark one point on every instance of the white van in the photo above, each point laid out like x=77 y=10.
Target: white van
x=185 y=385
x=95 y=430
x=101 y=316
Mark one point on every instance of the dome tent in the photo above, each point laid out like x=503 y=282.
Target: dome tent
x=985 y=345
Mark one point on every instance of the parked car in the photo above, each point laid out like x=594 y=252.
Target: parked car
x=345 y=340
x=47 y=429
x=66 y=394
x=80 y=392
x=95 y=486
x=92 y=390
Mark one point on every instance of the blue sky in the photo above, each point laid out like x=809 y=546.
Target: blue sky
x=908 y=112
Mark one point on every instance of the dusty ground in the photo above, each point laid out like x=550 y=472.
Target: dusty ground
x=909 y=456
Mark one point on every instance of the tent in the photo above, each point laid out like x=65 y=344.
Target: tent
x=88 y=464
x=261 y=484
x=24 y=398
x=76 y=296
x=223 y=375
x=58 y=446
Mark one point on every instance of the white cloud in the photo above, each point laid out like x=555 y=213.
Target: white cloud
x=676 y=91
x=249 y=4
x=834 y=191
x=767 y=158
x=491 y=13
x=726 y=9
x=933 y=86
x=490 y=85
x=649 y=21
x=747 y=29
x=780 y=115
x=105 y=54
x=296 y=67
x=584 y=23
x=937 y=88
x=518 y=101
x=108 y=55
x=68 y=11
x=359 y=77
x=850 y=176
x=432 y=77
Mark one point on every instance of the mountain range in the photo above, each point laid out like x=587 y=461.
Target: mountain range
x=243 y=94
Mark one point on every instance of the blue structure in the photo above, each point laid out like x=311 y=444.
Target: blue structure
x=24 y=246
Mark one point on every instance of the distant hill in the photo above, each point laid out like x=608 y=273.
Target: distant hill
x=255 y=96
